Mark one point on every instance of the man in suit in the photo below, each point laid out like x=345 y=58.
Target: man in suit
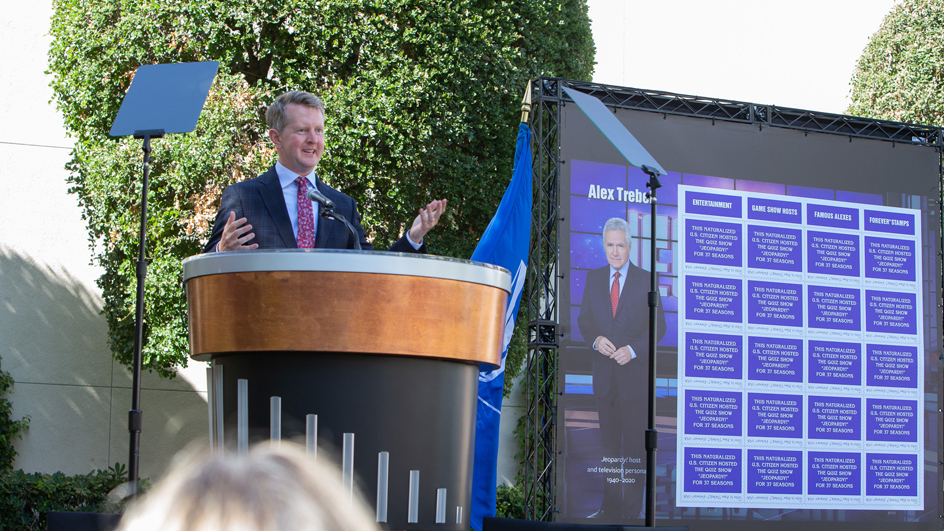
x=614 y=321
x=272 y=211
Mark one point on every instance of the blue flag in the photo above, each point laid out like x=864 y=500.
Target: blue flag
x=505 y=243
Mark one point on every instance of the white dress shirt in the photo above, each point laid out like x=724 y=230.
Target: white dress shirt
x=290 y=193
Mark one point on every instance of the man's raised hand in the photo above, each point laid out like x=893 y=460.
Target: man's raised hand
x=236 y=234
x=427 y=219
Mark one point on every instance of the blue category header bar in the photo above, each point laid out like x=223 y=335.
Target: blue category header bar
x=893 y=222
x=771 y=210
x=713 y=204
x=832 y=216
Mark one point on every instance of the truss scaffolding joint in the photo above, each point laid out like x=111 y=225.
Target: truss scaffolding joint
x=542 y=334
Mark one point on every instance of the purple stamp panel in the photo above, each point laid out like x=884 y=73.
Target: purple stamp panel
x=774 y=472
x=773 y=210
x=712 y=204
x=586 y=175
x=834 y=308
x=713 y=299
x=586 y=251
x=893 y=222
x=837 y=363
x=811 y=193
x=630 y=195
x=589 y=215
x=891 y=420
x=712 y=470
x=775 y=415
x=761 y=187
x=860 y=197
x=891 y=475
x=833 y=417
x=713 y=355
x=890 y=259
x=617 y=193
x=892 y=366
x=890 y=312
x=774 y=303
x=834 y=474
x=832 y=216
x=775 y=359
x=712 y=413
x=832 y=254
x=774 y=248
x=710 y=242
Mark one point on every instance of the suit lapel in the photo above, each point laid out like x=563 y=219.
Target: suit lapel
x=275 y=203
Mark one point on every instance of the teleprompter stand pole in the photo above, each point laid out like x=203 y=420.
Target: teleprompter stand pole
x=163 y=99
x=652 y=435
x=134 y=415
x=637 y=156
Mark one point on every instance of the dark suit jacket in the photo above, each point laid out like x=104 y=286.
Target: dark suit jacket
x=261 y=202
x=629 y=327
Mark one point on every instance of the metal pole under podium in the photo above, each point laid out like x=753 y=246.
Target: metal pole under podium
x=384 y=348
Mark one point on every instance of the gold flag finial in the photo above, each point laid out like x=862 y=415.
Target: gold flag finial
x=526 y=103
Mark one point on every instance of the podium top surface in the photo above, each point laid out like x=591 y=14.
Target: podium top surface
x=337 y=260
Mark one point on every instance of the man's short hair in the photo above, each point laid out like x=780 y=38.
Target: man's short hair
x=618 y=224
x=277 y=119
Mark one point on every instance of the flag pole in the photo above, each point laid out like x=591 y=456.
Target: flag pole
x=526 y=103
x=505 y=243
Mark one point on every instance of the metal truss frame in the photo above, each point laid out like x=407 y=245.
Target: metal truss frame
x=541 y=449
x=541 y=297
x=760 y=115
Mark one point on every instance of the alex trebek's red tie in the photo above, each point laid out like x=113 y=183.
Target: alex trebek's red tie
x=614 y=292
x=306 y=219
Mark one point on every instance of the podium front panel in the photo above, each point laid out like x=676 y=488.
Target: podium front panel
x=345 y=301
x=384 y=346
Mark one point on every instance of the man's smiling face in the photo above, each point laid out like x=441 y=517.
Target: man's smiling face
x=301 y=143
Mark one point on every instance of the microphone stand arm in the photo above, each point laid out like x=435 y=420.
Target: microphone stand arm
x=331 y=214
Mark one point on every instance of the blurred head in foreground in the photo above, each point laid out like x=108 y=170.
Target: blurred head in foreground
x=268 y=489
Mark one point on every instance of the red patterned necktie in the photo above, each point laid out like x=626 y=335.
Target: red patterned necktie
x=306 y=219
x=614 y=293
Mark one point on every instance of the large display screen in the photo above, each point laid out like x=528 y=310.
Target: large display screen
x=798 y=376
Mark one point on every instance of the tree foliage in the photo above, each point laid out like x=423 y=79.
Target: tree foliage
x=900 y=75
x=10 y=430
x=422 y=101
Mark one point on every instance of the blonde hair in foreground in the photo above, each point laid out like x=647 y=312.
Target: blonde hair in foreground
x=268 y=489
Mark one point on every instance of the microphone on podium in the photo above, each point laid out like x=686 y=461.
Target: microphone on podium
x=317 y=196
x=327 y=211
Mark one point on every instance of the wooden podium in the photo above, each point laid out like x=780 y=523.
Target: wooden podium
x=371 y=358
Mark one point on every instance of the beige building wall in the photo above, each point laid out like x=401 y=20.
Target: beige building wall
x=53 y=338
